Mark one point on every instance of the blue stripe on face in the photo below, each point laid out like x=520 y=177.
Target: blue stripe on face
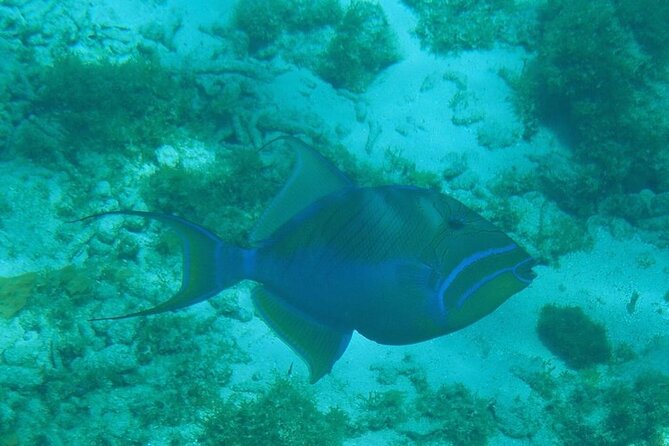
x=465 y=263
x=512 y=269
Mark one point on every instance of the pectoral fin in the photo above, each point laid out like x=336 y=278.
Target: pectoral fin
x=318 y=345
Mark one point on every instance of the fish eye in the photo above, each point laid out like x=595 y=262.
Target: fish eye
x=456 y=222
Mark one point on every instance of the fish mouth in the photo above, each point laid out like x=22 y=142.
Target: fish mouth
x=523 y=270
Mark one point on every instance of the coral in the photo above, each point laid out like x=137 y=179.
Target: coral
x=453 y=25
x=76 y=282
x=519 y=208
x=283 y=415
x=362 y=46
x=573 y=337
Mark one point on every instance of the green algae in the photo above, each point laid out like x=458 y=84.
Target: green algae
x=266 y=21
x=459 y=416
x=383 y=410
x=404 y=171
x=461 y=24
x=15 y=292
x=346 y=48
x=231 y=192
x=596 y=81
x=617 y=413
x=362 y=46
x=573 y=337
x=105 y=105
x=285 y=414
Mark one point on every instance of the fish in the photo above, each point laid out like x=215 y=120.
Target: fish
x=397 y=264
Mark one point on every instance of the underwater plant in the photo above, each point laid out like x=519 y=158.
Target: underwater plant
x=232 y=189
x=261 y=20
x=617 y=413
x=573 y=337
x=285 y=414
x=598 y=81
x=267 y=24
x=383 y=410
x=648 y=21
x=459 y=416
x=362 y=46
x=346 y=48
x=445 y=26
x=103 y=105
x=264 y=21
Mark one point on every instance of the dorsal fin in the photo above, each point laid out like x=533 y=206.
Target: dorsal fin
x=313 y=177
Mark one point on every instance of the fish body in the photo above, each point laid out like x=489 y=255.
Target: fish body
x=398 y=264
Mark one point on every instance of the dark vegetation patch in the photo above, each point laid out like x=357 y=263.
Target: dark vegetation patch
x=455 y=25
x=283 y=415
x=599 y=79
x=573 y=337
x=346 y=47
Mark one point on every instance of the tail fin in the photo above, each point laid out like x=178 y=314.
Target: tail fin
x=209 y=264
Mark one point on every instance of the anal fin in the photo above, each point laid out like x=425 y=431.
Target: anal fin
x=318 y=345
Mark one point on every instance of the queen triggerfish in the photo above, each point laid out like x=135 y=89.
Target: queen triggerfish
x=398 y=264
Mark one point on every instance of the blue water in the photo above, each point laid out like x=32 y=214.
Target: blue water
x=547 y=118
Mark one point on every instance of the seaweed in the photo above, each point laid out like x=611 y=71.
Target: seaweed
x=285 y=414
x=618 y=413
x=597 y=82
x=362 y=46
x=573 y=337
x=648 y=21
x=103 y=106
x=345 y=48
x=455 y=25
x=383 y=410
x=264 y=22
x=231 y=191
x=460 y=417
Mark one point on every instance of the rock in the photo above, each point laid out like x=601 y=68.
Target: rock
x=18 y=377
